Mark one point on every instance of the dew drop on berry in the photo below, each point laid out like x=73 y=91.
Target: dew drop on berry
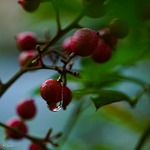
x=55 y=107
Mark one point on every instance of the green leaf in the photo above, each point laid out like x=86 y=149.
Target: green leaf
x=106 y=97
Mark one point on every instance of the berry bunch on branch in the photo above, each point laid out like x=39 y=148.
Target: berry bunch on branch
x=94 y=47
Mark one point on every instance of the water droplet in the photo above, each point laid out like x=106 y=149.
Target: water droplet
x=55 y=107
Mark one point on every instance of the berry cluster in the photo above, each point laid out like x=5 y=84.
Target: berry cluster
x=99 y=45
x=26 y=110
x=55 y=94
x=26 y=43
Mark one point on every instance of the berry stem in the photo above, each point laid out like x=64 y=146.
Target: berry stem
x=72 y=25
x=57 y=16
x=143 y=138
x=70 y=124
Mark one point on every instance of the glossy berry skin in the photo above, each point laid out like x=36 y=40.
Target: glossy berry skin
x=26 y=109
x=17 y=124
x=26 y=41
x=66 y=45
x=110 y=39
x=94 y=8
x=34 y=146
x=103 y=53
x=51 y=91
x=84 y=42
x=29 y=5
x=26 y=56
x=119 y=28
x=67 y=97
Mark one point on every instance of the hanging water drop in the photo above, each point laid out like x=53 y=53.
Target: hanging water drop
x=55 y=107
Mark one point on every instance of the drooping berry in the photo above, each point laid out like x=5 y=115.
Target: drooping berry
x=26 y=109
x=17 y=124
x=67 y=97
x=26 y=41
x=51 y=91
x=34 y=146
x=103 y=53
x=84 y=42
x=66 y=45
x=110 y=39
x=29 y=5
x=94 y=8
x=27 y=56
x=119 y=28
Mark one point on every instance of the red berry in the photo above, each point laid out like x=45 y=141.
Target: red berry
x=110 y=39
x=67 y=97
x=66 y=45
x=26 y=109
x=29 y=5
x=16 y=123
x=26 y=41
x=103 y=52
x=84 y=42
x=34 y=146
x=26 y=56
x=51 y=91
x=119 y=28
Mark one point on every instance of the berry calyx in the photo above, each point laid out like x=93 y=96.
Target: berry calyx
x=109 y=38
x=34 y=146
x=84 y=42
x=67 y=97
x=29 y=5
x=51 y=91
x=17 y=124
x=103 y=53
x=66 y=45
x=119 y=28
x=26 y=109
x=26 y=41
x=27 y=56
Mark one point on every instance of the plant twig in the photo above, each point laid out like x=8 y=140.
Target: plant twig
x=143 y=138
x=72 y=25
x=74 y=116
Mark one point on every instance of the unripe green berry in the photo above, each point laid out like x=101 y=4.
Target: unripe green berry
x=119 y=28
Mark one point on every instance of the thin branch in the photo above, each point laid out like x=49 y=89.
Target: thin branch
x=143 y=138
x=31 y=138
x=71 y=123
x=5 y=86
x=57 y=16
